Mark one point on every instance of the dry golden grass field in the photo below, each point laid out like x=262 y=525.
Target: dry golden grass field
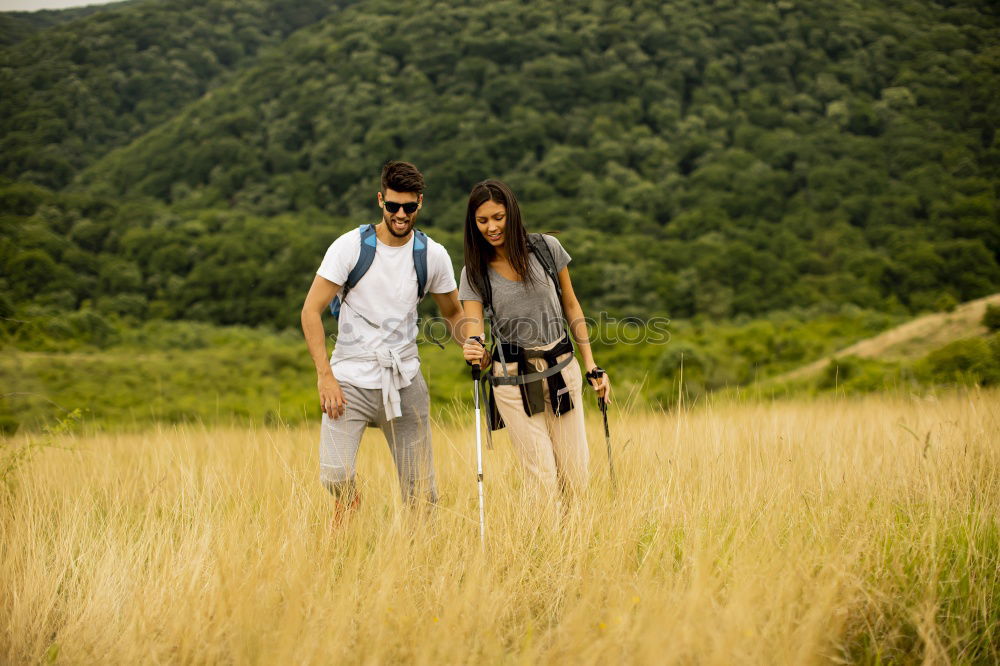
x=789 y=533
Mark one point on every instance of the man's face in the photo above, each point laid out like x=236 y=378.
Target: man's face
x=399 y=223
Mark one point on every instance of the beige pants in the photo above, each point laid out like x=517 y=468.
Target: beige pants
x=552 y=449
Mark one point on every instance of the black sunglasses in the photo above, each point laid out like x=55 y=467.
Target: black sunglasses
x=409 y=207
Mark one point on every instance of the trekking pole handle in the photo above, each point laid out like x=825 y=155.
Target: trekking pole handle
x=597 y=373
x=475 y=366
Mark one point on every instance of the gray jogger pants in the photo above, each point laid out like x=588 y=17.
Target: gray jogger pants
x=408 y=436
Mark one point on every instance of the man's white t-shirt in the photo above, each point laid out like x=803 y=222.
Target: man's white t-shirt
x=386 y=296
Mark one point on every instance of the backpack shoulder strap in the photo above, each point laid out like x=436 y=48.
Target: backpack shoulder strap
x=420 y=261
x=368 y=244
x=488 y=296
x=545 y=258
x=369 y=241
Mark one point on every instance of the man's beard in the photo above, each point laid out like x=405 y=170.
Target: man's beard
x=392 y=228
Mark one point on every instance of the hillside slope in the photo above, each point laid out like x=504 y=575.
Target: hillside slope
x=17 y=26
x=910 y=340
x=80 y=87
x=726 y=160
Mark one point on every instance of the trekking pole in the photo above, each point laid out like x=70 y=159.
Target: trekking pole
x=479 y=458
x=597 y=373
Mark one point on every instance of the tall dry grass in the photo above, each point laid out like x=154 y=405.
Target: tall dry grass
x=789 y=533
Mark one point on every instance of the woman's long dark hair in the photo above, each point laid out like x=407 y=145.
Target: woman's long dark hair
x=478 y=251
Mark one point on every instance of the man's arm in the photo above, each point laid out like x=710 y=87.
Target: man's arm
x=331 y=397
x=451 y=310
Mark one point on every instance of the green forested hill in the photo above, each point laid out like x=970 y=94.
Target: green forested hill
x=718 y=158
x=76 y=90
x=16 y=26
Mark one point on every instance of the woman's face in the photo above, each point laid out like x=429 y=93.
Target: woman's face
x=491 y=218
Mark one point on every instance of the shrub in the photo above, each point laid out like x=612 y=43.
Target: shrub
x=857 y=375
x=90 y=327
x=970 y=360
x=991 y=318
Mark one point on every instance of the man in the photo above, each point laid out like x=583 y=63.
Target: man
x=373 y=376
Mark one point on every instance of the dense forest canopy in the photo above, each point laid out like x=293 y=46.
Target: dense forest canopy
x=192 y=160
x=16 y=26
x=77 y=90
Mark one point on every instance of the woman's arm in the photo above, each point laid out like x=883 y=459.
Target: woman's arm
x=472 y=326
x=578 y=327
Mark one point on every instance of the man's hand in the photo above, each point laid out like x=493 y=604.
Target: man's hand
x=331 y=397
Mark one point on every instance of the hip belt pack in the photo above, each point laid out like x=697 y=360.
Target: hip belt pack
x=530 y=383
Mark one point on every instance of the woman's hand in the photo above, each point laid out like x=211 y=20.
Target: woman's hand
x=601 y=384
x=475 y=353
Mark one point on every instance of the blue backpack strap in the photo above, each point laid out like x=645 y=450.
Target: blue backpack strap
x=420 y=261
x=369 y=242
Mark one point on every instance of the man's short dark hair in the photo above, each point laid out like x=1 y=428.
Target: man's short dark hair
x=402 y=177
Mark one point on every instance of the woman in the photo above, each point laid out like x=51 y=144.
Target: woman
x=522 y=283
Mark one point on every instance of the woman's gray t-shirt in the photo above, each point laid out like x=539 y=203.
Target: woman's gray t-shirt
x=529 y=316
